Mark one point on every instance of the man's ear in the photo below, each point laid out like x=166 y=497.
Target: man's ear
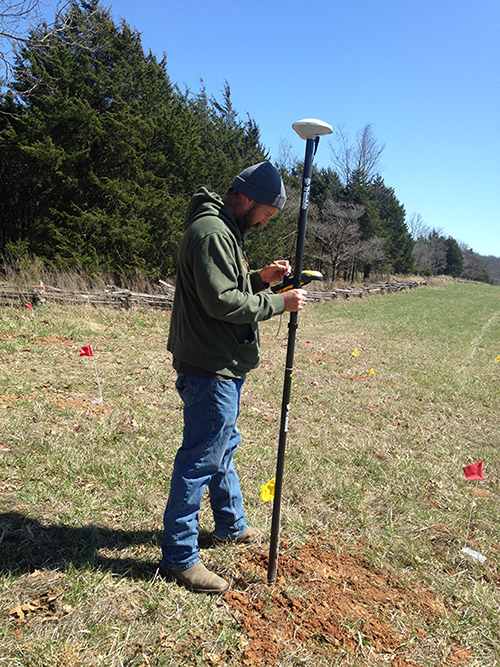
x=244 y=203
x=245 y=199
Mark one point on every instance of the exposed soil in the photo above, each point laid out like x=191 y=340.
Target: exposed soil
x=9 y=401
x=54 y=340
x=333 y=604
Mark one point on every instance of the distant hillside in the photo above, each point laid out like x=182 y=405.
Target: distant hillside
x=481 y=267
x=492 y=266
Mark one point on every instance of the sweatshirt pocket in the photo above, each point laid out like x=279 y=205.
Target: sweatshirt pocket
x=246 y=355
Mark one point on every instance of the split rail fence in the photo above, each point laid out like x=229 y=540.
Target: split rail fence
x=115 y=297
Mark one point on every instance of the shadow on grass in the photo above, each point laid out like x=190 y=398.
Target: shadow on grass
x=27 y=545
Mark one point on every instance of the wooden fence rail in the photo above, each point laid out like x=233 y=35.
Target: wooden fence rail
x=114 y=297
x=360 y=292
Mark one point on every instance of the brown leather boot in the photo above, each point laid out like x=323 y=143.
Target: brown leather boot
x=250 y=536
x=197 y=579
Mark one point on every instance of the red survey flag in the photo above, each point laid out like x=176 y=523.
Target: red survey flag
x=86 y=351
x=474 y=471
x=28 y=305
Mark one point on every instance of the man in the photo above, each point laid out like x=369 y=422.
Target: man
x=214 y=341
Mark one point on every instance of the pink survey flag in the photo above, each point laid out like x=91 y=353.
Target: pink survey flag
x=28 y=305
x=474 y=471
x=86 y=351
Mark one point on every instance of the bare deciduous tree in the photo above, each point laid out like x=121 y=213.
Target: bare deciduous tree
x=336 y=228
x=372 y=251
x=430 y=252
x=16 y=13
x=17 y=19
x=417 y=227
x=363 y=157
x=286 y=160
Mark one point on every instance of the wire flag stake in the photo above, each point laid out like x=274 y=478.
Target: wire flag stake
x=473 y=472
x=309 y=129
x=86 y=351
x=29 y=306
x=99 y=398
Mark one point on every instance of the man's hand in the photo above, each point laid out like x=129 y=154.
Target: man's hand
x=294 y=300
x=273 y=273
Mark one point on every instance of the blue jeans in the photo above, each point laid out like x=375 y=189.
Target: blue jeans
x=205 y=458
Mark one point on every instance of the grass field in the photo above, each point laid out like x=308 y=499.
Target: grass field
x=375 y=504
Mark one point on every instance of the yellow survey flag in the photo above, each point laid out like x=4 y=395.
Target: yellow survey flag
x=371 y=372
x=355 y=353
x=497 y=359
x=267 y=491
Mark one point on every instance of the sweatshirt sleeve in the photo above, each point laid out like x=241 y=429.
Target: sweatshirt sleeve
x=224 y=290
x=257 y=284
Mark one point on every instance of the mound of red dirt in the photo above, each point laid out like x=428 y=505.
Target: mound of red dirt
x=332 y=604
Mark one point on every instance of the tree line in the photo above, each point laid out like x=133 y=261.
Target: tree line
x=100 y=153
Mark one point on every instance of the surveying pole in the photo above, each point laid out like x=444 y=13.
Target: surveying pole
x=309 y=129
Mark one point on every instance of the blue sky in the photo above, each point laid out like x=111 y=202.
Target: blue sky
x=425 y=75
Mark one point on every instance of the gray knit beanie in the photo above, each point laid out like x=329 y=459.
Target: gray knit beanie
x=261 y=182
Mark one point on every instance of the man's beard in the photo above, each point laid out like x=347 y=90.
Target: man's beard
x=244 y=222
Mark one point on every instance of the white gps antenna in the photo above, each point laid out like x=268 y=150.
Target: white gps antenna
x=309 y=128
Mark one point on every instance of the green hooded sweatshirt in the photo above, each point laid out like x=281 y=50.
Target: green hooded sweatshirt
x=217 y=303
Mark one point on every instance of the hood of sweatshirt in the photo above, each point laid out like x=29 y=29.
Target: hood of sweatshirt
x=205 y=203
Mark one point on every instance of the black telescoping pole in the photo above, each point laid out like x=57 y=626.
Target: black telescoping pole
x=311 y=146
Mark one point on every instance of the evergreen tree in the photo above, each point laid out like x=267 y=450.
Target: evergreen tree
x=84 y=134
x=391 y=214
x=454 y=258
x=384 y=217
